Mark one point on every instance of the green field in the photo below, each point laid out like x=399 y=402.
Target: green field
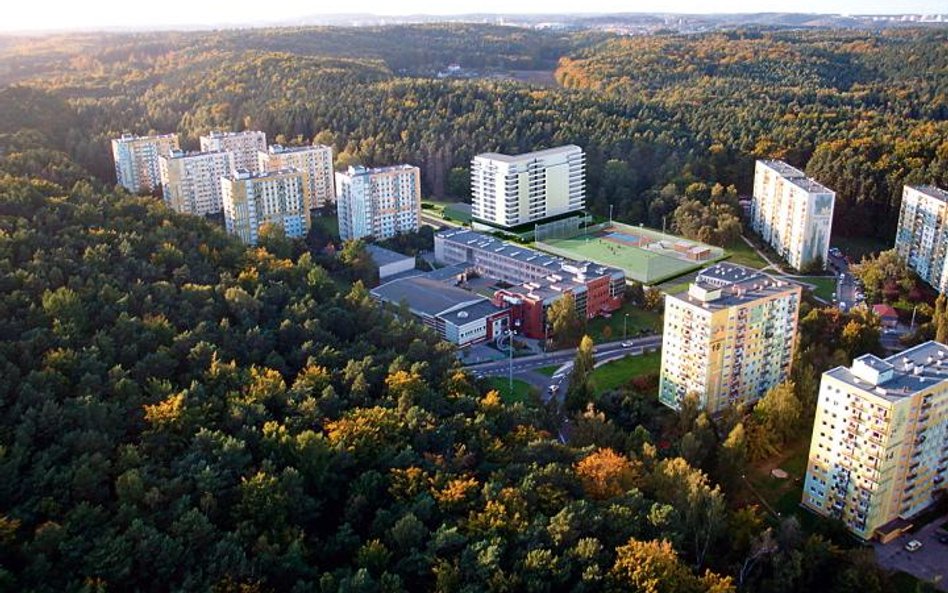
x=614 y=374
x=451 y=211
x=743 y=254
x=639 y=319
x=825 y=286
x=520 y=393
x=643 y=265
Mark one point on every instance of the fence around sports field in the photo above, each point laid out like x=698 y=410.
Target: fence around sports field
x=646 y=255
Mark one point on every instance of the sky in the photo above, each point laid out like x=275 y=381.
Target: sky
x=86 y=14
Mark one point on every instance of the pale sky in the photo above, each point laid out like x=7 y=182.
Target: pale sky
x=85 y=14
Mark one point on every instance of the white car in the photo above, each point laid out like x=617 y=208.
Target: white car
x=913 y=546
x=627 y=344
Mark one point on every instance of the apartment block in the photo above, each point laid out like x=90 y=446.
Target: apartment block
x=191 y=181
x=136 y=160
x=253 y=199
x=792 y=213
x=508 y=191
x=379 y=203
x=729 y=338
x=536 y=280
x=245 y=146
x=316 y=160
x=922 y=237
x=879 y=451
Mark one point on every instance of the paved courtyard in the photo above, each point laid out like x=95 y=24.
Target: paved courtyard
x=929 y=564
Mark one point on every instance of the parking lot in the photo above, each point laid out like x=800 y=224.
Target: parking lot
x=929 y=563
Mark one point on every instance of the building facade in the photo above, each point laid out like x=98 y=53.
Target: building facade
x=508 y=191
x=922 y=237
x=251 y=200
x=729 y=338
x=792 y=213
x=379 y=203
x=879 y=451
x=245 y=146
x=536 y=279
x=191 y=182
x=316 y=160
x=137 y=168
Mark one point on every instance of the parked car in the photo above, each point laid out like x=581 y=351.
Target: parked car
x=913 y=546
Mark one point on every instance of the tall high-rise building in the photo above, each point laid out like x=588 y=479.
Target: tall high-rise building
x=792 y=213
x=254 y=199
x=191 y=182
x=136 y=160
x=508 y=191
x=922 y=238
x=378 y=202
x=245 y=146
x=879 y=451
x=729 y=338
x=316 y=160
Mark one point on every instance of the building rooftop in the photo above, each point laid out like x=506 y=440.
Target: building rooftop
x=726 y=285
x=899 y=375
x=132 y=137
x=448 y=273
x=181 y=154
x=931 y=191
x=883 y=310
x=360 y=170
x=797 y=177
x=528 y=156
x=219 y=134
x=280 y=149
x=244 y=174
x=382 y=256
x=425 y=295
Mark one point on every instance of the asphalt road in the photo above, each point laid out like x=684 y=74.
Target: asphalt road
x=929 y=564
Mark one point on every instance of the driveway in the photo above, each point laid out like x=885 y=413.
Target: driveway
x=929 y=564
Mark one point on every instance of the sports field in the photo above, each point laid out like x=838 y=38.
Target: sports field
x=645 y=255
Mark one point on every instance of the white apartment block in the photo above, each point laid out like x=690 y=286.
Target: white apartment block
x=879 y=451
x=244 y=145
x=136 y=160
x=315 y=160
x=792 y=213
x=922 y=237
x=191 y=182
x=729 y=338
x=512 y=190
x=254 y=199
x=380 y=203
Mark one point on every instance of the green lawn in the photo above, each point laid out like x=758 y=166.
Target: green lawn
x=825 y=286
x=743 y=254
x=783 y=495
x=858 y=247
x=521 y=390
x=448 y=211
x=674 y=288
x=613 y=374
x=639 y=319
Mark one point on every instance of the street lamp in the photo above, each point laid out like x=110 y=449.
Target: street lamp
x=624 y=320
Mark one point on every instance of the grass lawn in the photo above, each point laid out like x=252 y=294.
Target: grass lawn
x=453 y=211
x=521 y=390
x=744 y=255
x=825 y=286
x=858 y=247
x=783 y=495
x=616 y=373
x=639 y=319
x=673 y=288
x=548 y=371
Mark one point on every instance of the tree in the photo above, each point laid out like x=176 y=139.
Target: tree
x=565 y=323
x=940 y=319
x=780 y=411
x=579 y=391
x=606 y=474
x=654 y=567
x=885 y=277
x=654 y=298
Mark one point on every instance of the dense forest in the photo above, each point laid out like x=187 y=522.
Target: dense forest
x=180 y=413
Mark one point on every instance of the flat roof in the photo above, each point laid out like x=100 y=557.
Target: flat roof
x=738 y=284
x=280 y=149
x=931 y=191
x=913 y=370
x=193 y=154
x=218 y=134
x=797 y=177
x=354 y=171
x=244 y=174
x=425 y=295
x=517 y=158
x=382 y=256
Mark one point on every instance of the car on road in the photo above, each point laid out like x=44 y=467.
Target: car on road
x=943 y=538
x=627 y=344
x=554 y=388
x=913 y=546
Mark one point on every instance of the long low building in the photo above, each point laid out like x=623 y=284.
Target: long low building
x=459 y=316
x=536 y=280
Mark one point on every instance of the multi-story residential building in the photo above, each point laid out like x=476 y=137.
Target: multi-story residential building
x=254 y=199
x=879 y=451
x=729 y=338
x=792 y=213
x=245 y=146
x=922 y=238
x=136 y=160
x=379 y=203
x=191 y=182
x=316 y=160
x=536 y=279
x=508 y=191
